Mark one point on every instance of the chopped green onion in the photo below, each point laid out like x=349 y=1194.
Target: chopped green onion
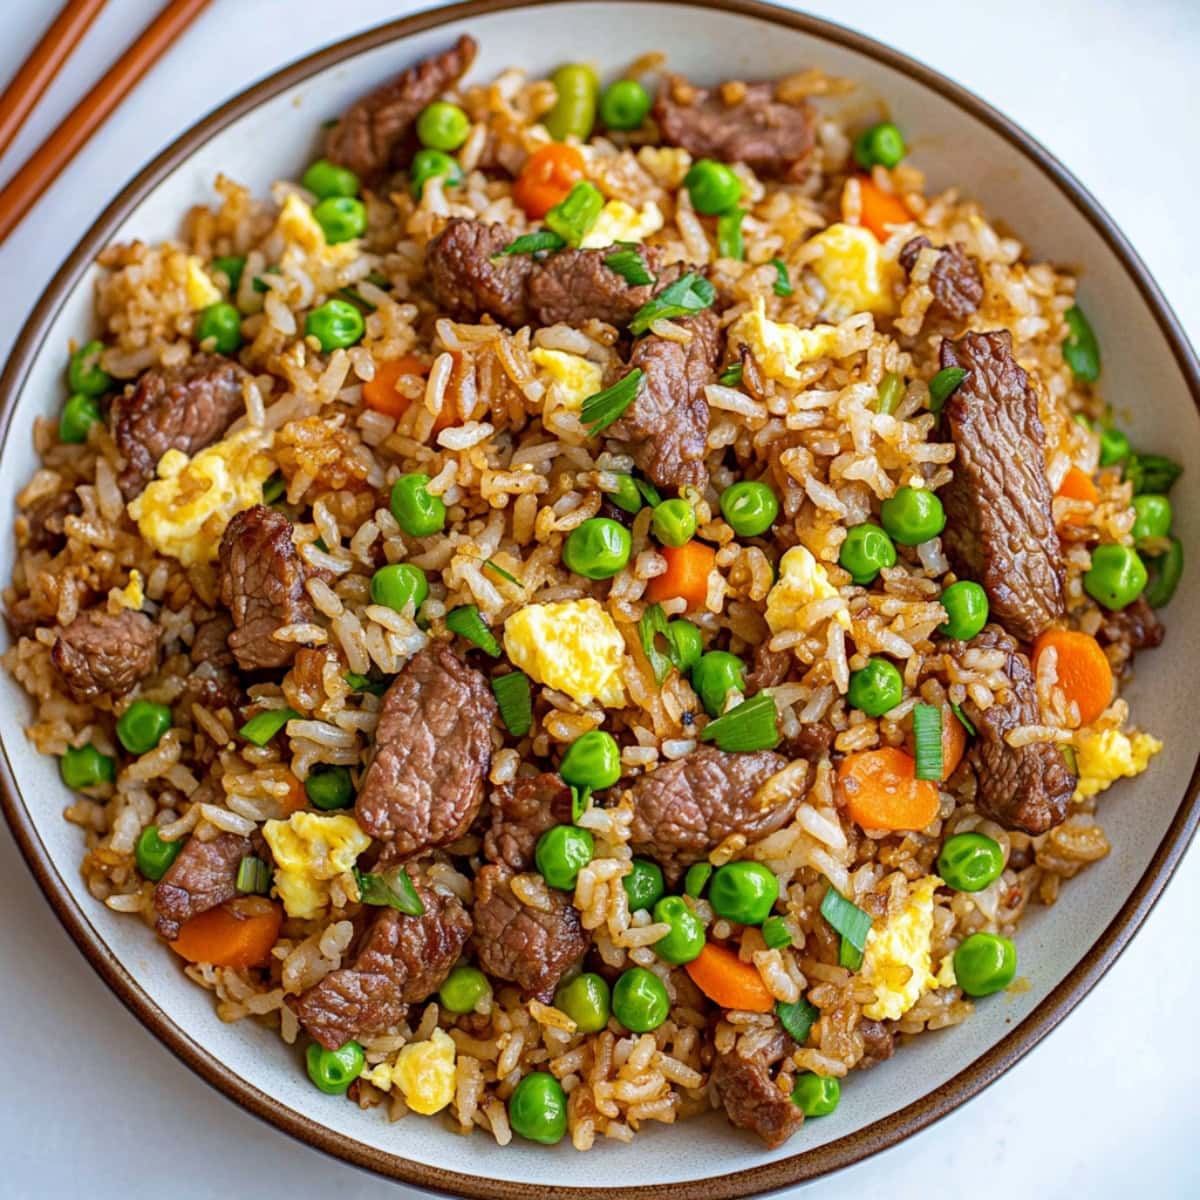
x=631 y=267
x=927 y=736
x=581 y=801
x=846 y=918
x=653 y=622
x=689 y=294
x=783 y=285
x=797 y=1019
x=1081 y=349
x=492 y=565
x=1151 y=473
x=891 y=392
x=731 y=376
x=351 y=294
x=849 y=955
x=380 y=280
x=776 y=933
x=574 y=216
x=466 y=622
x=649 y=492
x=696 y=879
x=394 y=890
x=515 y=698
x=273 y=489
x=1068 y=752
x=942 y=385
x=752 y=725
x=962 y=718
x=729 y=234
x=261 y=728
x=259 y=284
x=253 y=877
x=539 y=241
x=603 y=408
x=363 y=683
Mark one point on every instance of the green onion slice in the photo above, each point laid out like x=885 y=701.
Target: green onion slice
x=262 y=727
x=696 y=879
x=1068 y=752
x=630 y=265
x=253 y=877
x=750 y=726
x=515 y=698
x=380 y=280
x=891 y=392
x=351 y=294
x=957 y=710
x=689 y=294
x=581 y=801
x=652 y=623
x=776 y=933
x=731 y=376
x=492 y=565
x=849 y=955
x=574 y=216
x=649 y=492
x=259 y=284
x=927 y=735
x=364 y=683
x=1151 y=473
x=846 y=918
x=797 y=1019
x=467 y=622
x=942 y=385
x=273 y=489
x=538 y=242
x=783 y=284
x=393 y=890
x=729 y=234
x=603 y=408
x=1081 y=350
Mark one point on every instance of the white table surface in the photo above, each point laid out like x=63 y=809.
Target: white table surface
x=1107 y=1106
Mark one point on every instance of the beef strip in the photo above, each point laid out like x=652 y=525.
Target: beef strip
x=772 y=137
x=999 y=528
x=1134 y=626
x=954 y=280
x=879 y=1042
x=376 y=133
x=526 y=946
x=468 y=281
x=102 y=653
x=212 y=681
x=203 y=875
x=575 y=285
x=751 y=1097
x=770 y=668
x=683 y=810
x=1026 y=787
x=174 y=408
x=400 y=960
x=433 y=747
x=521 y=812
x=811 y=741
x=262 y=585
x=45 y=521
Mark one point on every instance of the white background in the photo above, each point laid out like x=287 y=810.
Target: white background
x=1108 y=1106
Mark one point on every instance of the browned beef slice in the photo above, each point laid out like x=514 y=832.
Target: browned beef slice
x=375 y=132
x=811 y=741
x=433 y=747
x=575 y=285
x=999 y=529
x=521 y=812
x=955 y=281
x=770 y=668
x=102 y=653
x=685 y=809
x=469 y=281
x=174 y=408
x=667 y=424
x=203 y=875
x=878 y=1042
x=400 y=960
x=1026 y=787
x=46 y=521
x=524 y=945
x=751 y=1097
x=212 y=680
x=1135 y=626
x=262 y=585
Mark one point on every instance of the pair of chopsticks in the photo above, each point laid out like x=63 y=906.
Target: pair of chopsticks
x=40 y=68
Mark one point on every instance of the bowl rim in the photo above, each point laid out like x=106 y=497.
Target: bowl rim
x=805 y=1164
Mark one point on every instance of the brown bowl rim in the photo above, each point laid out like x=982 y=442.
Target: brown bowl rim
x=806 y=1164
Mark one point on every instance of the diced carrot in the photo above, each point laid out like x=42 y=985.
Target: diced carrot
x=880 y=790
x=880 y=209
x=238 y=934
x=296 y=798
x=547 y=177
x=380 y=393
x=686 y=574
x=1078 y=485
x=1083 y=670
x=728 y=981
x=954 y=741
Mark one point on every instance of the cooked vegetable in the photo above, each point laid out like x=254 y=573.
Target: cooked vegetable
x=323 y=179
x=782 y=285
x=592 y=760
x=630 y=265
x=85 y=376
x=572 y=217
x=927 y=738
x=79 y=414
x=686 y=938
x=1114 y=447
x=943 y=385
x=417 y=511
x=985 y=963
x=776 y=933
x=547 y=177
x=731 y=376
x=1152 y=519
x=876 y=688
x=689 y=294
x=954 y=741
x=744 y=892
x=1151 y=473
x=673 y=522
x=141 y=726
x=399 y=585
x=238 y=934
x=970 y=861
x=263 y=726
x=716 y=674
x=713 y=187
x=333 y=1071
x=865 y=552
x=1078 y=485
x=562 y=852
x=879 y=211
x=966 y=606
x=881 y=791
x=749 y=507
x=1164 y=572
x=797 y=1018
x=881 y=145
x=574 y=112
x=430 y=164
x=443 y=126
x=912 y=516
x=729 y=234
x=467 y=622
x=644 y=886
x=513 y=695
x=336 y=324
x=640 y=1000
x=85 y=766
x=1082 y=669
x=586 y=1000
x=651 y=625
x=729 y=982
x=847 y=919
x=537 y=1109
x=597 y=548
x=253 y=877
x=541 y=241
x=686 y=576
x=341 y=218
x=627 y=496
x=816 y=1095
x=391 y=890
x=624 y=104
x=329 y=787
x=154 y=856
x=220 y=325
x=463 y=989
x=1080 y=349
x=1116 y=577
x=890 y=393
x=752 y=725
x=364 y=683
x=601 y=409
x=685 y=644
x=380 y=394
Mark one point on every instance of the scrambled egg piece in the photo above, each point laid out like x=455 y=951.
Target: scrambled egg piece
x=1109 y=755
x=133 y=594
x=779 y=347
x=184 y=511
x=423 y=1071
x=571 y=379
x=201 y=291
x=801 y=581
x=621 y=222
x=572 y=646
x=856 y=276
x=309 y=851
x=897 y=956
x=667 y=164
x=297 y=224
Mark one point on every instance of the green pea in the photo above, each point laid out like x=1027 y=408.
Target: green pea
x=417 y=512
x=713 y=187
x=749 y=507
x=913 y=516
x=141 y=726
x=696 y=879
x=85 y=767
x=79 y=414
x=464 y=988
x=221 y=324
x=627 y=496
x=816 y=1095
x=574 y=112
x=154 y=856
x=333 y=1071
x=644 y=885
x=966 y=606
x=1116 y=577
x=877 y=688
x=329 y=787
x=625 y=104
x=562 y=852
x=970 y=861
x=673 y=522
x=865 y=552
x=586 y=1001
x=597 y=549
x=537 y=1109
x=85 y=376
x=744 y=892
x=640 y=1000
x=882 y=144
x=985 y=963
x=686 y=939
x=341 y=218
x=443 y=126
x=398 y=585
x=325 y=179
x=336 y=324
x=717 y=674
x=1114 y=447
x=427 y=165
x=1152 y=517
x=592 y=760
x=1164 y=571
x=231 y=266
x=688 y=642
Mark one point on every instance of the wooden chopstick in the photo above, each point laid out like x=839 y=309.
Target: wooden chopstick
x=45 y=164
x=40 y=68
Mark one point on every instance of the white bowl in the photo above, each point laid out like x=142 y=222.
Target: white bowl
x=270 y=132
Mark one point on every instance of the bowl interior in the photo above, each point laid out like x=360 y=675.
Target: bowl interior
x=1142 y=378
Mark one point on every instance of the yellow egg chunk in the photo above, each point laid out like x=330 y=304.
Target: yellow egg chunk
x=621 y=222
x=896 y=960
x=571 y=379
x=779 y=347
x=297 y=225
x=309 y=851
x=133 y=594
x=856 y=276
x=801 y=581
x=183 y=512
x=572 y=646
x=424 y=1073
x=201 y=291
x=1109 y=755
